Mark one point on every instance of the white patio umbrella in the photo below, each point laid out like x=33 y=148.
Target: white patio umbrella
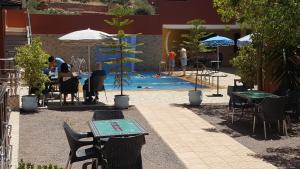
x=244 y=40
x=87 y=37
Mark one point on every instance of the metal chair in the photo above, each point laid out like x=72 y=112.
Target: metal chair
x=123 y=152
x=271 y=109
x=107 y=115
x=77 y=152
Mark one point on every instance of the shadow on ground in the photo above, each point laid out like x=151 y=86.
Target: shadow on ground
x=289 y=157
x=281 y=151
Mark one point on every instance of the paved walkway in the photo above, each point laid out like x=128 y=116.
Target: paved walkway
x=185 y=132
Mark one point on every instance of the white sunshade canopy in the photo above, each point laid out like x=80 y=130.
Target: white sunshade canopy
x=244 y=40
x=87 y=35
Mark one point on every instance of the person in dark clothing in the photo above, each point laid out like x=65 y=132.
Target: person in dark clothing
x=96 y=84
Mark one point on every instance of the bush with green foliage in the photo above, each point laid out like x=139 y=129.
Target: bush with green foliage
x=23 y=165
x=246 y=65
x=34 y=8
x=32 y=59
x=142 y=7
x=137 y=7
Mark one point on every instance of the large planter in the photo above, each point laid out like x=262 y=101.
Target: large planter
x=195 y=97
x=29 y=103
x=121 y=101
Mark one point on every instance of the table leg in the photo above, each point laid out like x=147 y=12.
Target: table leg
x=217 y=95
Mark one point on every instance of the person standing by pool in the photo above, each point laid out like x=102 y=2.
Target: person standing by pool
x=172 y=56
x=183 y=59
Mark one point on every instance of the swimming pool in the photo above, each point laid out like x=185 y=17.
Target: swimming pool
x=146 y=81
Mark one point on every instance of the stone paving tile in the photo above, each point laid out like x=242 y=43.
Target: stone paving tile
x=212 y=150
x=14 y=121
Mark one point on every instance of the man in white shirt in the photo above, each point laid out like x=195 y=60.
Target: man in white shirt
x=183 y=59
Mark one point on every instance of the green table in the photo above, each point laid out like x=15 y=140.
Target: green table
x=254 y=96
x=117 y=127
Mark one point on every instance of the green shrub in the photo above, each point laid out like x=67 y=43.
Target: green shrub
x=23 y=165
x=246 y=65
x=32 y=59
x=142 y=7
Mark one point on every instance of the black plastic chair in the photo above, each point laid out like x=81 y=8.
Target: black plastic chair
x=97 y=85
x=107 y=115
x=236 y=103
x=123 y=152
x=293 y=101
x=69 y=86
x=78 y=151
x=271 y=109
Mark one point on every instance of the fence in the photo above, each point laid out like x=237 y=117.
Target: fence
x=5 y=130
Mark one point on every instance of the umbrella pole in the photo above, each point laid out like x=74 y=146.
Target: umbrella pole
x=89 y=65
x=218 y=63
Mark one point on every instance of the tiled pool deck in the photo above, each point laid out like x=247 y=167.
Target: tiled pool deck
x=184 y=131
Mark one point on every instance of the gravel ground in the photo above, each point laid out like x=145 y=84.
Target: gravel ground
x=43 y=141
x=281 y=151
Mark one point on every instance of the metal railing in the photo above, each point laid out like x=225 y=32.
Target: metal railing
x=5 y=130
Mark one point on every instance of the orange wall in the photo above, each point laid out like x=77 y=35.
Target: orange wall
x=61 y=24
x=179 y=12
x=170 y=12
x=16 y=18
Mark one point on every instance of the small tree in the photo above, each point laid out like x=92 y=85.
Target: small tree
x=122 y=47
x=32 y=59
x=192 y=43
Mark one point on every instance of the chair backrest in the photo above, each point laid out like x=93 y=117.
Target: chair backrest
x=229 y=90
x=107 y=115
x=124 y=152
x=72 y=137
x=69 y=86
x=97 y=82
x=273 y=108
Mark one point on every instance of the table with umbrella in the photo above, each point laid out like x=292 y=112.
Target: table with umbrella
x=87 y=37
x=218 y=41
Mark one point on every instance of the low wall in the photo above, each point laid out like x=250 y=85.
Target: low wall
x=151 y=57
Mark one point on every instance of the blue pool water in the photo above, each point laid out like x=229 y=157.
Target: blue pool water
x=146 y=81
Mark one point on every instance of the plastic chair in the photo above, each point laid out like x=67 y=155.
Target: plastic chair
x=77 y=152
x=107 y=115
x=97 y=84
x=236 y=103
x=271 y=109
x=123 y=152
x=69 y=86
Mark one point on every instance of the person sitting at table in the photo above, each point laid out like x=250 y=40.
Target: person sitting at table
x=55 y=62
x=64 y=76
x=96 y=82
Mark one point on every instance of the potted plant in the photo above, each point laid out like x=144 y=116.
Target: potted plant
x=32 y=59
x=122 y=48
x=192 y=43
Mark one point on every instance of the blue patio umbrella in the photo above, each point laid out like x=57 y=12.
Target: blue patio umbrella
x=244 y=40
x=217 y=41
